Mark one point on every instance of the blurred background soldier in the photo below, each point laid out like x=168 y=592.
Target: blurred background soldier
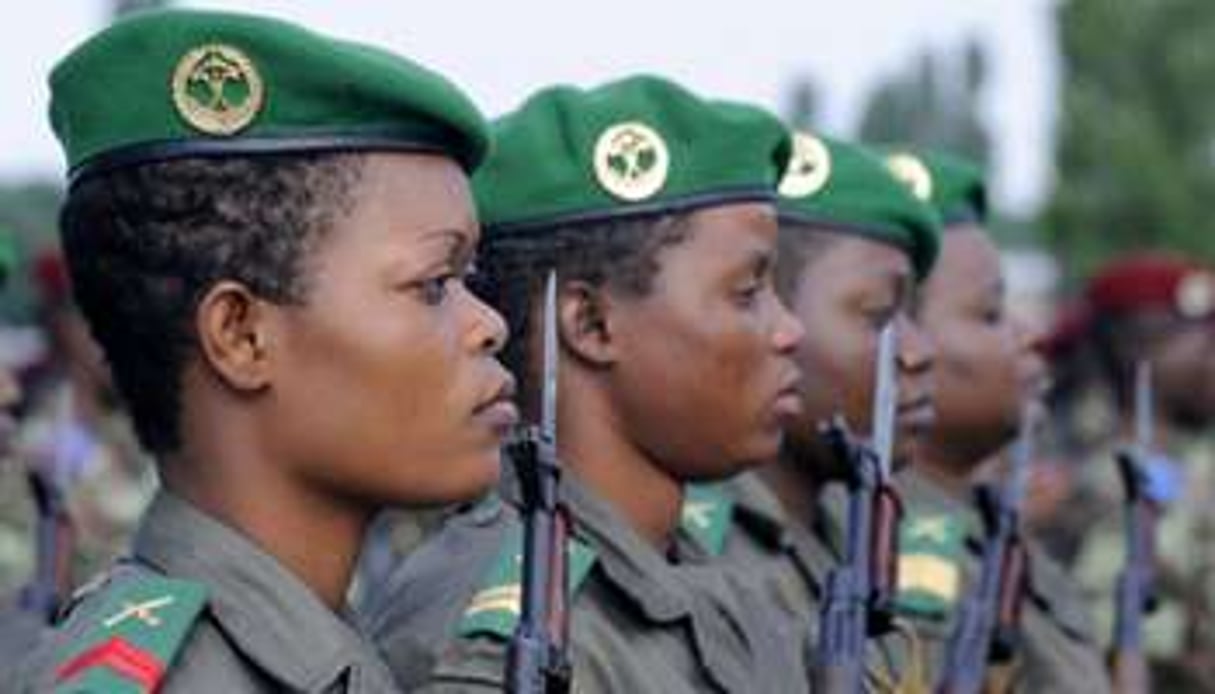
x=1155 y=309
x=76 y=431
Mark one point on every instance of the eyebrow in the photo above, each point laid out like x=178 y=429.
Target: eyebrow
x=458 y=240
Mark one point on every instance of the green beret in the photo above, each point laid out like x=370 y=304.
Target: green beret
x=955 y=187
x=185 y=83
x=847 y=187
x=642 y=145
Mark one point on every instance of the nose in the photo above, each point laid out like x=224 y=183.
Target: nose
x=488 y=331
x=917 y=351
x=1029 y=347
x=788 y=331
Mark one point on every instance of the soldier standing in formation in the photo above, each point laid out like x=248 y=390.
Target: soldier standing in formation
x=988 y=372
x=675 y=366
x=267 y=231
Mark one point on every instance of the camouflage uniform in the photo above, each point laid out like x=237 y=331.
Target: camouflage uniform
x=106 y=477
x=1177 y=634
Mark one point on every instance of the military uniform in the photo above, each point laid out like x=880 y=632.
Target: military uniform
x=639 y=621
x=790 y=563
x=1185 y=545
x=203 y=608
x=20 y=632
x=941 y=546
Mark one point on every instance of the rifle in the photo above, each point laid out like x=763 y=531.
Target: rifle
x=988 y=626
x=537 y=658
x=859 y=594
x=53 y=531
x=1135 y=593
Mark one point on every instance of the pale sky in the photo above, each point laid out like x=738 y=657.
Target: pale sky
x=501 y=51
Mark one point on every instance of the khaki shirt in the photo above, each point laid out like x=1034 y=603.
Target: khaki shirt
x=639 y=621
x=1058 y=650
x=260 y=629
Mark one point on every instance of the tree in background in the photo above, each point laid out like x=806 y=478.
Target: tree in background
x=933 y=104
x=802 y=104
x=1135 y=146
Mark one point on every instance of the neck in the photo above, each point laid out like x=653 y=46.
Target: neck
x=955 y=479
x=594 y=446
x=224 y=470
x=792 y=479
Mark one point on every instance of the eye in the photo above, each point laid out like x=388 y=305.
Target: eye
x=879 y=316
x=748 y=294
x=434 y=291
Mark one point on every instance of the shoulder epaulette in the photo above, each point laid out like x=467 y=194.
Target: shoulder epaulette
x=496 y=606
x=706 y=515
x=132 y=637
x=931 y=552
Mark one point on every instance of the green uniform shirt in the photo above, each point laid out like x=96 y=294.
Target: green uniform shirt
x=639 y=621
x=790 y=562
x=219 y=615
x=1058 y=651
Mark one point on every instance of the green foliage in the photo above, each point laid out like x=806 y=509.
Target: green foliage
x=1135 y=136
x=802 y=104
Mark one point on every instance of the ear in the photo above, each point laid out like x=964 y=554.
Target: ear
x=585 y=323
x=233 y=334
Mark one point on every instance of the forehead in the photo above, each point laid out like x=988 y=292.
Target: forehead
x=719 y=233
x=968 y=259
x=423 y=191
x=850 y=257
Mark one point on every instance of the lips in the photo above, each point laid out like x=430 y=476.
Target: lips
x=788 y=401
x=916 y=413
x=499 y=409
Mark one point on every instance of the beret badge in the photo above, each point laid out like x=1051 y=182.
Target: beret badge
x=631 y=161
x=809 y=167
x=217 y=89
x=912 y=172
x=1196 y=295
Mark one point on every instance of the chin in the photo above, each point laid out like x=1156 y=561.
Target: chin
x=467 y=479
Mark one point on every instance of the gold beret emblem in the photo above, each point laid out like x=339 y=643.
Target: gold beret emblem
x=1195 y=297
x=911 y=172
x=217 y=89
x=631 y=161
x=808 y=169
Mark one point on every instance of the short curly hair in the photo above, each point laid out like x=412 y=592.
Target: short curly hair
x=144 y=244
x=616 y=254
